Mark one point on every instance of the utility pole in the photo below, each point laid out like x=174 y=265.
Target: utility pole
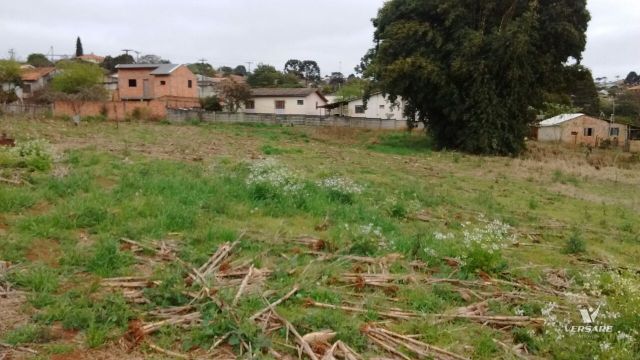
x=202 y=61
x=127 y=51
x=249 y=64
x=12 y=54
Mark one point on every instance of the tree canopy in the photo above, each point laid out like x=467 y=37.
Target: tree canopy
x=38 y=60
x=10 y=72
x=268 y=76
x=240 y=70
x=76 y=77
x=79 y=50
x=110 y=63
x=234 y=94
x=470 y=70
x=632 y=78
x=307 y=70
x=152 y=59
x=204 y=69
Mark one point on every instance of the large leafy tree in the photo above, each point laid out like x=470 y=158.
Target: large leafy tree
x=9 y=74
x=268 y=76
x=470 y=70
x=575 y=87
x=78 y=83
x=110 y=63
x=632 y=78
x=38 y=60
x=307 y=70
x=152 y=59
x=202 y=69
x=234 y=94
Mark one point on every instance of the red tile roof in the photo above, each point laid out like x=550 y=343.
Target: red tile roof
x=36 y=74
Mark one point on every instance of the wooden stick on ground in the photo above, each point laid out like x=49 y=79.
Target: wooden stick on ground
x=305 y=346
x=275 y=303
x=18 y=348
x=167 y=352
x=243 y=286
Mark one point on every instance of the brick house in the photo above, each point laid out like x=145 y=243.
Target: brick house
x=35 y=79
x=156 y=81
x=580 y=129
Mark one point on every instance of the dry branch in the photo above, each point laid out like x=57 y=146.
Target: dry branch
x=391 y=314
x=391 y=341
x=273 y=305
x=167 y=352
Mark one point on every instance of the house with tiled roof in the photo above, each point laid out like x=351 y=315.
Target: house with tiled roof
x=35 y=79
x=286 y=101
x=92 y=58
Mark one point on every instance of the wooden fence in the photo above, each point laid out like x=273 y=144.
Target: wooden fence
x=182 y=115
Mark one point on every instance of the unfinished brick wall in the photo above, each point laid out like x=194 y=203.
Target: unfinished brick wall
x=121 y=110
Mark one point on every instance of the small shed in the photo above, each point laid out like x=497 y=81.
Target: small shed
x=581 y=129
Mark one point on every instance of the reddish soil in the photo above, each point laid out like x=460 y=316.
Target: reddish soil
x=46 y=251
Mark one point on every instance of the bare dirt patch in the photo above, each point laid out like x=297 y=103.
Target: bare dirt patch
x=46 y=251
x=11 y=312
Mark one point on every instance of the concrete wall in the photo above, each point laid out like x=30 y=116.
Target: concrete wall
x=573 y=132
x=175 y=115
x=267 y=105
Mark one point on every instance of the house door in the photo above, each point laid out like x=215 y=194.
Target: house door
x=146 y=90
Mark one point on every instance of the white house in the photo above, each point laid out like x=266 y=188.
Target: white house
x=378 y=107
x=286 y=101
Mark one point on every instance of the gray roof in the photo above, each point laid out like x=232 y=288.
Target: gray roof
x=283 y=92
x=557 y=120
x=160 y=69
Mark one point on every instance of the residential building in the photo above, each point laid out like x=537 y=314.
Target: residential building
x=92 y=58
x=36 y=79
x=378 y=107
x=580 y=129
x=286 y=101
x=155 y=81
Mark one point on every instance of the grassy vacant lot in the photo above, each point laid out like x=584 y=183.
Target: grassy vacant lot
x=484 y=257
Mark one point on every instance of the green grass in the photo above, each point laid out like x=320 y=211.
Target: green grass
x=379 y=194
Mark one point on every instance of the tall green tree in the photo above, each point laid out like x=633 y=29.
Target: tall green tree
x=202 y=69
x=268 y=76
x=110 y=63
x=240 y=70
x=470 y=70
x=79 y=50
x=38 y=60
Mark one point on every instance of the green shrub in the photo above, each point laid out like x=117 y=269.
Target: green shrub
x=575 y=244
x=38 y=278
x=108 y=260
x=27 y=334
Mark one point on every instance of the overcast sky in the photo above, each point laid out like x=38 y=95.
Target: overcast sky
x=336 y=33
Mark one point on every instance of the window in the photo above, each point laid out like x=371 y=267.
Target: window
x=381 y=107
x=359 y=109
x=162 y=82
x=300 y=102
x=614 y=132
x=190 y=84
x=250 y=105
x=279 y=104
x=588 y=131
x=133 y=83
